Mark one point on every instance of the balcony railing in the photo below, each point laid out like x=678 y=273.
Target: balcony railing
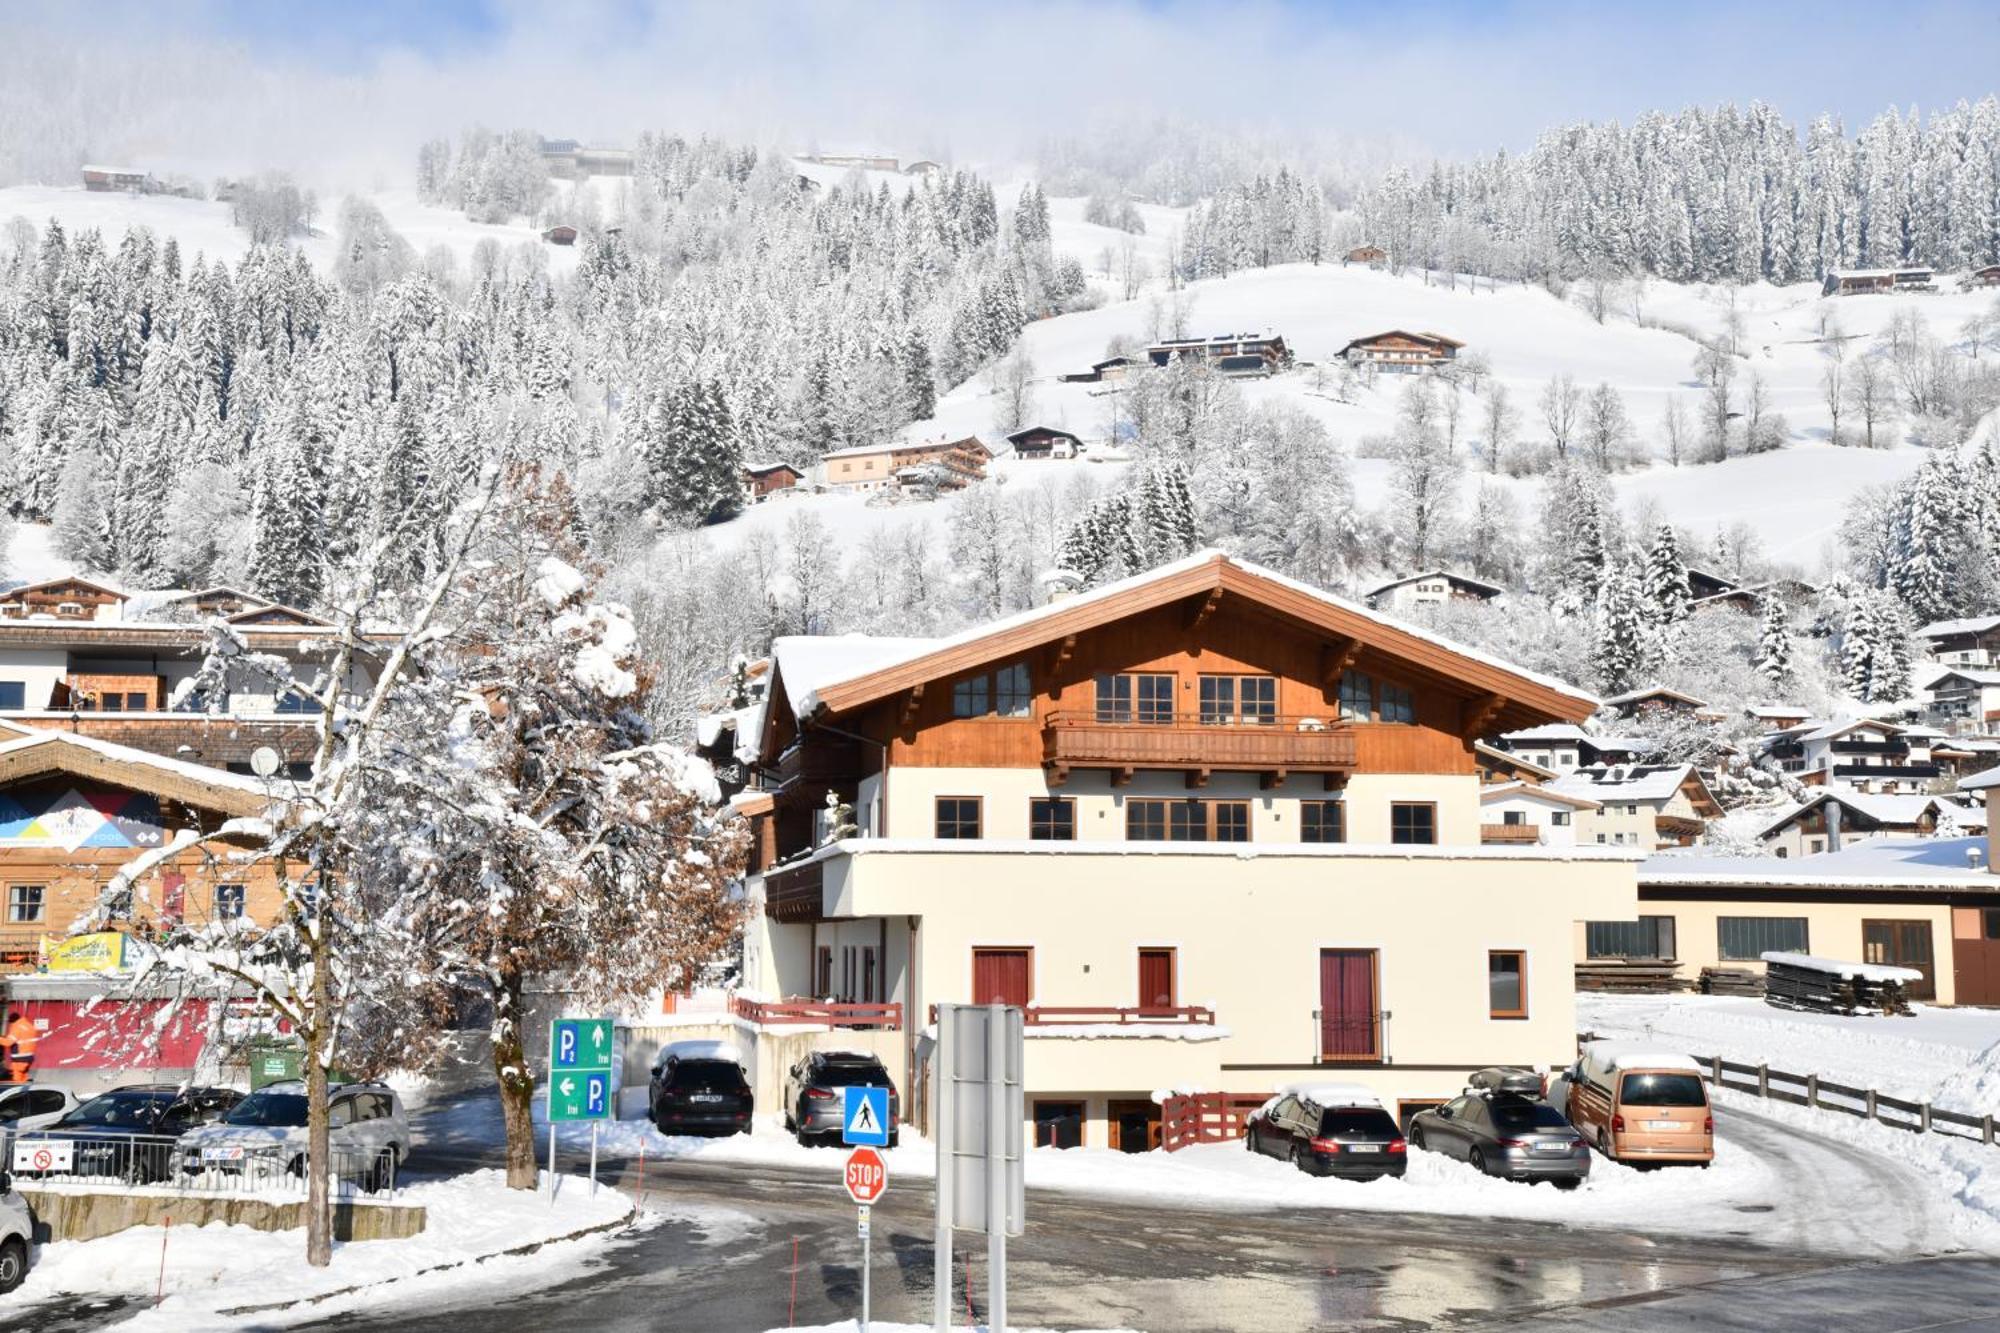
x=1187 y=741
x=796 y=1012
x=795 y=893
x=1886 y=770
x=1845 y=746
x=1510 y=834
x=1136 y=1016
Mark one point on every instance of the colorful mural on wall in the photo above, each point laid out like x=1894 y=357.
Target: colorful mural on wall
x=67 y=817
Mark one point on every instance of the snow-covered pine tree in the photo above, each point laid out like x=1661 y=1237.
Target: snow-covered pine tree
x=287 y=532
x=1774 y=645
x=80 y=514
x=1929 y=541
x=1619 y=653
x=1666 y=580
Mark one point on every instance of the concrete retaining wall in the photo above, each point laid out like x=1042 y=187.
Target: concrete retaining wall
x=86 y=1214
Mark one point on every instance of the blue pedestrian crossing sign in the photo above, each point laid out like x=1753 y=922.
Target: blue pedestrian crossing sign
x=864 y=1117
x=580 y=1054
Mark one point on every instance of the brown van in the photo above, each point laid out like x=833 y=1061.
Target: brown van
x=1640 y=1104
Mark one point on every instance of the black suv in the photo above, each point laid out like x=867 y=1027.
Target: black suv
x=700 y=1093
x=813 y=1098
x=1330 y=1131
x=129 y=1132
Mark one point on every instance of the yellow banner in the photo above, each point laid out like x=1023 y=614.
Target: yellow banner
x=102 y=952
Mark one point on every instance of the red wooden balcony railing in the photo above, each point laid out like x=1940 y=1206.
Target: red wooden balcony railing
x=1186 y=741
x=1073 y=1015
x=1206 y=1117
x=799 y=1012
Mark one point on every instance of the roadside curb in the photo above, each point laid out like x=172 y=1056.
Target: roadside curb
x=324 y=1296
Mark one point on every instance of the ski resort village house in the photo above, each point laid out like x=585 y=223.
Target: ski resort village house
x=1044 y=442
x=1864 y=755
x=1863 y=281
x=1986 y=275
x=1832 y=819
x=763 y=480
x=1374 y=256
x=886 y=467
x=1402 y=352
x=1228 y=353
x=1433 y=587
x=1640 y=805
x=1209 y=826
x=1973 y=641
x=108 y=179
x=1563 y=746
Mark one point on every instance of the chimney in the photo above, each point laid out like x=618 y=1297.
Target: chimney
x=1059 y=585
x=1832 y=808
x=1975 y=857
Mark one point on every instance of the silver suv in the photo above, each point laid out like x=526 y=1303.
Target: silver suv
x=266 y=1132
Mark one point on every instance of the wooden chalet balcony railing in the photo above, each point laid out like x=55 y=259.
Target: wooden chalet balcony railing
x=797 y=1012
x=1135 y=1016
x=1302 y=744
x=795 y=893
x=1510 y=834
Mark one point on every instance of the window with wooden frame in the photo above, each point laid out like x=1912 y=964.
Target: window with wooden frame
x=1245 y=700
x=1146 y=696
x=1357 y=697
x=958 y=816
x=1052 y=819
x=1058 y=1124
x=969 y=697
x=1744 y=939
x=1157 y=820
x=228 y=902
x=1006 y=692
x=26 y=903
x=1506 y=983
x=1394 y=703
x=1159 y=979
x=1413 y=822
x=1322 y=821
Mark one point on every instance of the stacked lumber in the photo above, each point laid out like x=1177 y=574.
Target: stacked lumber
x=1824 y=985
x=1731 y=981
x=1645 y=977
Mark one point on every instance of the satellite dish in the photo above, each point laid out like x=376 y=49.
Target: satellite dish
x=265 y=762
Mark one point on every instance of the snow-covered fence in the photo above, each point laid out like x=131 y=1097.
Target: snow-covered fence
x=1826 y=1095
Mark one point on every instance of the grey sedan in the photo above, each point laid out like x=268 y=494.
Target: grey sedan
x=1519 y=1138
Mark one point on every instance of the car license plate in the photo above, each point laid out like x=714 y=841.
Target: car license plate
x=706 y=1097
x=1364 y=1147
x=221 y=1154
x=1663 y=1124
x=1552 y=1148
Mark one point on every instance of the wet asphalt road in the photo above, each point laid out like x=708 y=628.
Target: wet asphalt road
x=718 y=1255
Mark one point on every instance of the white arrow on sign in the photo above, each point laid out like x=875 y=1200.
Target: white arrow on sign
x=567 y=1086
x=597 y=1037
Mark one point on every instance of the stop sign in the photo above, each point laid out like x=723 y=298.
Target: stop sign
x=867 y=1179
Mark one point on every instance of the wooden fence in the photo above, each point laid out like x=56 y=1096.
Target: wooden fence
x=1825 y=1095
x=783 y=1013
x=1206 y=1117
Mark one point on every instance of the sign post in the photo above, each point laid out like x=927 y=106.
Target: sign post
x=867 y=1180
x=976 y=1074
x=580 y=1054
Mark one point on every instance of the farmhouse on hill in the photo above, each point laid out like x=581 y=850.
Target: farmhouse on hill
x=1229 y=353
x=1862 y=281
x=1401 y=351
x=1041 y=442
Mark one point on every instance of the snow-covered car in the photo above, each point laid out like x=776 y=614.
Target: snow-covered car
x=266 y=1135
x=33 y=1105
x=17 y=1229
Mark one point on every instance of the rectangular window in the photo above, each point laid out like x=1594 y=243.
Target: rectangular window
x=1187 y=822
x=1155 y=699
x=1745 y=938
x=958 y=816
x=13 y=694
x=968 y=697
x=1013 y=692
x=1002 y=976
x=1114 y=698
x=1058 y=1124
x=1397 y=706
x=1322 y=821
x=1513 y=818
x=25 y=903
x=1218 y=699
x=1506 y=983
x=1357 y=697
x=111 y=702
x=1413 y=822
x=1145 y=821
x=1559 y=818
x=1156 y=979
x=228 y=902
x=1231 y=820
x=1052 y=820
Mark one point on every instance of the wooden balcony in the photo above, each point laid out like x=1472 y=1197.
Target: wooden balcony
x=1133 y=1016
x=798 y=1012
x=1509 y=835
x=1185 y=741
x=796 y=893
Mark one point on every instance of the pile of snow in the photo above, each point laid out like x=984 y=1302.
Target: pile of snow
x=220 y=1267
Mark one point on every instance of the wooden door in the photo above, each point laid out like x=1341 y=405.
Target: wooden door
x=1348 y=1017
x=1902 y=944
x=1001 y=976
x=1156 y=979
x=1975 y=954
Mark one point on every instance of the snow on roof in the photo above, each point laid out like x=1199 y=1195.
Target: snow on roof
x=1896 y=863
x=804 y=701
x=1826 y=731
x=1839 y=968
x=1777 y=711
x=1963 y=673
x=1490 y=589
x=1622 y=782
x=1634 y=1054
x=1980 y=781
x=1509 y=758
x=1938 y=629
x=125 y=754
x=1655 y=692
x=1877 y=272
x=1501 y=791
x=1906 y=810
x=1551 y=731
x=809 y=662
x=701 y=1050
x=1324 y=1095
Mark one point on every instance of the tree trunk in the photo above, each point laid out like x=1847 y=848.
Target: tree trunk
x=319 y=1214
x=517 y=1086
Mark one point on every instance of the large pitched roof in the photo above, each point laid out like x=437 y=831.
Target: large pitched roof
x=1479 y=585
x=1889 y=863
x=1626 y=782
x=871 y=675
x=43 y=752
x=1890 y=809
x=1937 y=629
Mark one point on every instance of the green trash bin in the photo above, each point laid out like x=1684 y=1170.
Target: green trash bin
x=275 y=1062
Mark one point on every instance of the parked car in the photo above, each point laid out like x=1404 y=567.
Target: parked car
x=17 y=1229
x=1502 y=1127
x=699 y=1087
x=25 y=1106
x=129 y=1132
x=813 y=1098
x=1329 y=1129
x=266 y=1133
x=1639 y=1104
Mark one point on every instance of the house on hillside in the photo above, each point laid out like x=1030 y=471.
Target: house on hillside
x=1374 y=256
x=1860 y=754
x=1964 y=701
x=1401 y=352
x=1199 y=803
x=1971 y=641
x=1433 y=587
x=1231 y=354
x=763 y=480
x=66 y=598
x=859 y=161
x=1830 y=819
x=1860 y=281
x=560 y=234
x=876 y=467
x=1660 y=699
x=1564 y=746
x=112 y=179
x=1641 y=805
x=1777 y=717
x=1044 y=442
x=1111 y=370
x=1750 y=598
x=1987 y=275
x=1530 y=814
x=923 y=167
x=1702 y=583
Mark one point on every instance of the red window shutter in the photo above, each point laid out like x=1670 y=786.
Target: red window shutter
x=1156 y=978
x=1000 y=976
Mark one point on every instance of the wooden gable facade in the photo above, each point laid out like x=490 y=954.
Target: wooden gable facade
x=64 y=599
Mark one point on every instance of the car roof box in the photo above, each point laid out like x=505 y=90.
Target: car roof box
x=1508 y=1079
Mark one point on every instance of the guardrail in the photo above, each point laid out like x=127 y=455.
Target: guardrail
x=1826 y=1095
x=783 y=1013
x=39 y=1157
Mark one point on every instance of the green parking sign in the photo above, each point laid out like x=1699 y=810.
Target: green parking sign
x=580 y=1054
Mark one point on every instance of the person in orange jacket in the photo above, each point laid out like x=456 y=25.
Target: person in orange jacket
x=20 y=1039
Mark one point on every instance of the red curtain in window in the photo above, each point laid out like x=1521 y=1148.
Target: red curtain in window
x=1156 y=978
x=1347 y=1004
x=1000 y=976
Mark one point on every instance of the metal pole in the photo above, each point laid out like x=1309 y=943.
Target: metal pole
x=867 y=1252
x=942 y=1084
x=996 y=1166
x=593 y=1159
x=552 y=1160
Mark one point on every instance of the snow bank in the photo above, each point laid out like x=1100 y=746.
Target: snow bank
x=1851 y=971
x=877 y=1326
x=220 y=1267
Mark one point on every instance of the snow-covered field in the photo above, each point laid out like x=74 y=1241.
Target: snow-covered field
x=206 y=1270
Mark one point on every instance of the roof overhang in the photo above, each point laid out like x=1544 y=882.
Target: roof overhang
x=57 y=754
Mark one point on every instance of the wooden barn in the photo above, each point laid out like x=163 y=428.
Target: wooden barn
x=1374 y=256
x=560 y=234
x=107 y=179
x=763 y=480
